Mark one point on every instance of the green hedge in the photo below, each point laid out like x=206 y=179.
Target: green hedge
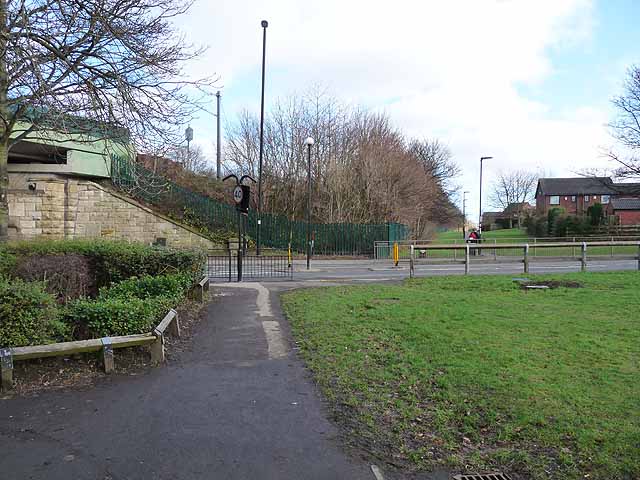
x=169 y=286
x=115 y=316
x=113 y=261
x=28 y=315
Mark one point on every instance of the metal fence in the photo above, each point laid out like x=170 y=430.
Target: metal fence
x=522 y=253
x=383 y=250
x=277 y=231
x=225 y=265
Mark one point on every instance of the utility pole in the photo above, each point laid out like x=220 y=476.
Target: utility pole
x=482 y=159
x=218 y=157
x=264 y=24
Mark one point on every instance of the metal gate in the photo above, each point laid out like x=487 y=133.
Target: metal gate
x=226 y=266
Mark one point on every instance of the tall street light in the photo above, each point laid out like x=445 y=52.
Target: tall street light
x=464 y=214
x=264 y=24
x=309 y=143
x=482 y=159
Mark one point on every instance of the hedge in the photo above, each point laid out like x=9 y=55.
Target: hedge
x=28 y=315
x=113 y=261
x=115 y=316
x=174 y=287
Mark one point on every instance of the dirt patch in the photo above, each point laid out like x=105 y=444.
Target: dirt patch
x=32 y=377
x=551 y=284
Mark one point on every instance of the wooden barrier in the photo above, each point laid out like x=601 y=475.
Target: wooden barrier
x=156 y=339
x=169 y=324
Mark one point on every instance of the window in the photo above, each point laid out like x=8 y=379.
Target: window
x=554 y=200
x=605 y=199
x=573 y=198
x=586 y=199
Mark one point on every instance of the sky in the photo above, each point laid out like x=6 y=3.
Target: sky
x=528 y=82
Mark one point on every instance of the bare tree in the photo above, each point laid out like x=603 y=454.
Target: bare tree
x=362 y=168
x=514 y=187
x=94 y=69
x=192 y=159
x=626 y=126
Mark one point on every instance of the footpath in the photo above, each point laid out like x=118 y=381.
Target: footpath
x=236 y=404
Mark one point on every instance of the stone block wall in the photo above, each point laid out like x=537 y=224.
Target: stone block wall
x=46 y=206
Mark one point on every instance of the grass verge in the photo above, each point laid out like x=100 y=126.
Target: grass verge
x=473 y=373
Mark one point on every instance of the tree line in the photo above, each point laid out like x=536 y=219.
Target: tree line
x=363 y=169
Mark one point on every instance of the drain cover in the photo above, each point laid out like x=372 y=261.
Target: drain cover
x=482 y=476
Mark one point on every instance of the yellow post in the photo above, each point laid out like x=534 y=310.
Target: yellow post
x=396 y=253
x=289 y=255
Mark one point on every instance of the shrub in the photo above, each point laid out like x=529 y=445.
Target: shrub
x=115 y=261
x=115 y=316
x=552 y=215
x=596 y=214
x=28 y=314
x=173 y=287
x=66 y=276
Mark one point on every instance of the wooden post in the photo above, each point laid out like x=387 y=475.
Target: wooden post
x=412 y=253
x=466 y=259
x=526 y=258
x=583 y=258
x=107 y=355
x=157 y=349
x=174 y=326
x=638 y=256
x=6 y=369
x=611 y=247
x=495 y=251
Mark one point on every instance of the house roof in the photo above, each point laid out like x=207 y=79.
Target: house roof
x=625 y=203
x=576 y=186
x=627 y=188
x=516 y=207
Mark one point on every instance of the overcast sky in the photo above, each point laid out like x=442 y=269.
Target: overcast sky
x=528 y=82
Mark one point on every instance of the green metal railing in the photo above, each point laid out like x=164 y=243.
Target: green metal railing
x=277 y=231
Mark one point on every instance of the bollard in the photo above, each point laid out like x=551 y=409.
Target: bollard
x=639 y=256
x=466 y=259
x=583 y=258
x=526 y=258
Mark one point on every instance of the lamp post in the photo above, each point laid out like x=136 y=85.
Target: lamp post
x=309 y=143
x=464 y=214
x=482 y=159
x=264 y=24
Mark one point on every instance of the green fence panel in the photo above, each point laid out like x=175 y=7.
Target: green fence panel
x=277 y=230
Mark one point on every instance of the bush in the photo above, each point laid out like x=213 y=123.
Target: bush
x=66 y=276
x=106 y=317
x=116 y=261
x=172 y=287
x=596 y=214
x=28 y=315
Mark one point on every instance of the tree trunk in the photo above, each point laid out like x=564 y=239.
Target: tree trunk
x=4 y=134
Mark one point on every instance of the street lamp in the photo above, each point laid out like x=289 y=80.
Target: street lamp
x=482 y=159
x=309 y=143
x=464 y=214
x=264 y=24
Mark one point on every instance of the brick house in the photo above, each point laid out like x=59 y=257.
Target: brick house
x=576 y=195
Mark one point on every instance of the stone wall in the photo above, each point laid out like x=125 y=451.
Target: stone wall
x=49 y=206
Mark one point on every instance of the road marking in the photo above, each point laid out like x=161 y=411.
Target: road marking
x=275 y=340
x=376 y=472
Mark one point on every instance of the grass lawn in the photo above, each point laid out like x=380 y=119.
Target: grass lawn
x=473 y=371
